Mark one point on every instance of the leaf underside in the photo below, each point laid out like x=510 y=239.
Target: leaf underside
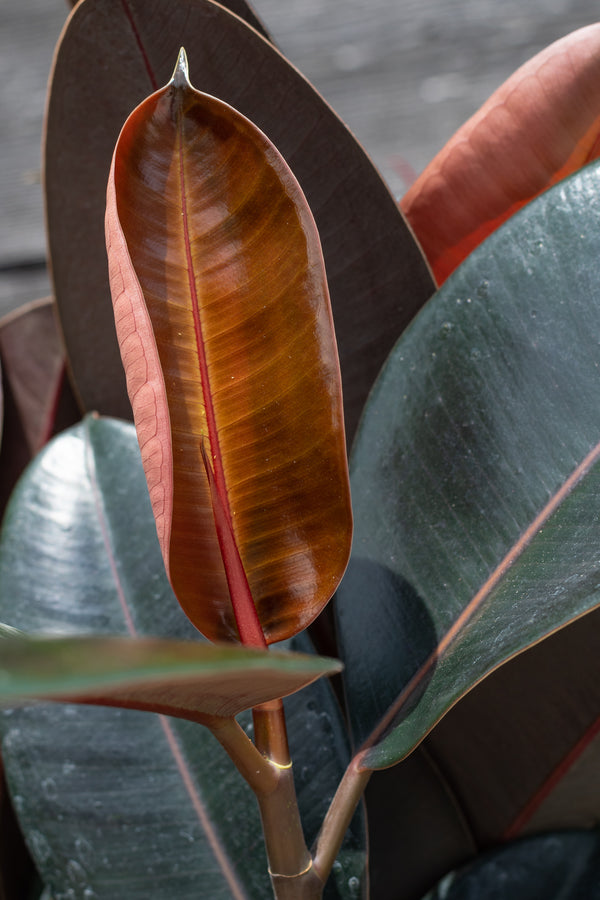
x=185 y=679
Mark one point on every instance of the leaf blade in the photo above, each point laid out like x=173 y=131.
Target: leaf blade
x=547 y=701
x=554 y=865
x=178 y=678
x=369 y=250
x=89 y=498
x=501 y=419
x=103 y=794
x=238 y=337
x=538 y=127
x=97 y=768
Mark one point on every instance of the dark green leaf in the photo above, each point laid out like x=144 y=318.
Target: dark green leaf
x=18 y=875
x=112 y=801
x=475 y=478
x=180 y=678
x=320 y=751
x=377 y=276
x=103 y=805
x=124 y=803
x=553 y=867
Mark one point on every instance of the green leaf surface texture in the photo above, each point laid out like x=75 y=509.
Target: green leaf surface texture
x=474 y=476
x=120 y=804
x=183 y=678
x=562 y=866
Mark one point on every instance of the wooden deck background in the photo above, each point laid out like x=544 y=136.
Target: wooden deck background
x=403 y=74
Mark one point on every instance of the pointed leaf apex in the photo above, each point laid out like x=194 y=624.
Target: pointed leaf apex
x=181 y=73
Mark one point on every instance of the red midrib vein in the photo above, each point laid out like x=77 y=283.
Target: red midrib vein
x=140 y=43
x=212 y=838
x=213 y=436
x=551 y=782
x=474 y=605
x=246 y=616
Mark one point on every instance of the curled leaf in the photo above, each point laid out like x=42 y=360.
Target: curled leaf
x=189 y=680
x=541 y=125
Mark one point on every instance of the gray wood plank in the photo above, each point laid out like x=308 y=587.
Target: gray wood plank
x=403 y=74
x=21 y=284
x=28 y=32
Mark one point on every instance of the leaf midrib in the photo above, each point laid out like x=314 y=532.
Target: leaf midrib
x=244 y=608
x=479 y=599
x=184 y=771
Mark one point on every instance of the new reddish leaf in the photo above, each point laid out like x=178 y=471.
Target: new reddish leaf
x=378 y=278
x=537 y=128
x=485 y=422
x=226 y=335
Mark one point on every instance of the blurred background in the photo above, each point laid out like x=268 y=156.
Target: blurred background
x=403 y=74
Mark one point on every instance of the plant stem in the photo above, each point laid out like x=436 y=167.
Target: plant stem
x=260 y=774
x=270 y=732
x=305 y=886
x=338 y=818
x=295 y=874
x=290 y=863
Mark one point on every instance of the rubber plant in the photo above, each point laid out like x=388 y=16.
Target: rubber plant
x=146 y=568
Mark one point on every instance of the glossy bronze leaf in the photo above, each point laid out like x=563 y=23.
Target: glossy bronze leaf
x=537 y=128
x=226 y=335
x=112 y=54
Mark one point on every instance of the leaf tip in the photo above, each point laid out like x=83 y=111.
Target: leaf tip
x=181 y=73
